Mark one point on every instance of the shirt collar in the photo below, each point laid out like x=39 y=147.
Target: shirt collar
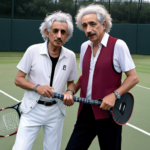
x=63 y=53
x=104 y=40
x=44 y=50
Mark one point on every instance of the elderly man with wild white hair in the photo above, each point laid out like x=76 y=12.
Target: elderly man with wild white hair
x=103 y=58
x=49 y=67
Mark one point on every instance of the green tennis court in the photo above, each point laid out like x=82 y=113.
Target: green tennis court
x=136 y=134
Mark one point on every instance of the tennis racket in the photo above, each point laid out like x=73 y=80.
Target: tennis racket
x=120 y=113
x=9 y=120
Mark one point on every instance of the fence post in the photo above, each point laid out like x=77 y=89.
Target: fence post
x=11 y=32
x=75 y=8
x=138 y=17
x=109 y=6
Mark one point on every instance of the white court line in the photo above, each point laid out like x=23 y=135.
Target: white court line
x=143 y=87
x=9 y=96
x=138 y=129
x=126 y=124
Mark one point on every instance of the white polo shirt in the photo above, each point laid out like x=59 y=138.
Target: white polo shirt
x=122 y=59
x=38 y=65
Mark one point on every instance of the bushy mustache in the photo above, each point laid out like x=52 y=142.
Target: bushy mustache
x=59 y=40
x=90 y=34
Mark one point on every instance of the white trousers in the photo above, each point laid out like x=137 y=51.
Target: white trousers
x=50 y=117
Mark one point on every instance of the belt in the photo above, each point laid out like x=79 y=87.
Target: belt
x=46 y=103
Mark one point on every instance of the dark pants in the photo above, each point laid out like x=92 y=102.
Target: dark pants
x=86 y=128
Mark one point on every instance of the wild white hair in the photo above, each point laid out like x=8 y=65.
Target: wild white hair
x=99 y=10
x=60 y=17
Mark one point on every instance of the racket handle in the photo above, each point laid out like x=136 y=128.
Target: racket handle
x=79 y=99
x=110 y=116
x=110 y=112
x=87 y=101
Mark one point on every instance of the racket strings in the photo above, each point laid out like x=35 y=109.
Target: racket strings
x=9 y=122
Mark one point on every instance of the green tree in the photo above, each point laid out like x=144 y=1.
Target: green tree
x=67 y=6
x=33 y=9
x=5 y=8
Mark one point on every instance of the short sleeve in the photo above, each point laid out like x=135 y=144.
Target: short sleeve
x=80 y=79
x=81 y=59
x=26 y=62
x=82 y=52
x=74 y=72
x=122 y=58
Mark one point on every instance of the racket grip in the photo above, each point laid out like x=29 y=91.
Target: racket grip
x=110 y=116
x=79 y=99
x=110 y=112
x=59 y=96
x=87 y=101
x=99 y=102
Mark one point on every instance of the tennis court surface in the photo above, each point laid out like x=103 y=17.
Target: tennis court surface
x=136 y=134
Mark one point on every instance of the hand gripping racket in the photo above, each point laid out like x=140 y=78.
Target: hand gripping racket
x=9 y=120
x=120 y=113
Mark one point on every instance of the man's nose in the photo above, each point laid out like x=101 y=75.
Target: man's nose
x=59 y=34
x=88 y=29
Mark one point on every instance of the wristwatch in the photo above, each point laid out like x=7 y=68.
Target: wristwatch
x=73 y=92
x=117 y=94
x=35 y=87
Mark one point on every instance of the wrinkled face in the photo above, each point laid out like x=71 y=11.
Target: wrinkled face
x=92 y=27
x=58 y=33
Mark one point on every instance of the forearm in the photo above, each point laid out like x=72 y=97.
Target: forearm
x=128 y=84
x=24 y=83
x=71 y=86
x=75 y=87
x=78 y=85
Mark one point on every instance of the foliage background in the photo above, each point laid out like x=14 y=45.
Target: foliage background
x=122 y=11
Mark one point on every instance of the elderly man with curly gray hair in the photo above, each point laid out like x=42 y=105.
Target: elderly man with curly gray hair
x=103 y=58
x=49 y=67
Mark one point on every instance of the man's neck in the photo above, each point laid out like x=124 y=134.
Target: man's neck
x=53 y=51
x=53 y=48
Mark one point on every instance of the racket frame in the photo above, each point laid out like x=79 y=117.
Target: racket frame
x=19 y=113
x=130 y=115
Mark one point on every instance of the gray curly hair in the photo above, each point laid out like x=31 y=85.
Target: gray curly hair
x=60 y=17
x=99 y=10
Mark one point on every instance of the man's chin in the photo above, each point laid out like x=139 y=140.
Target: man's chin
x=92 y=39
x=58 y=44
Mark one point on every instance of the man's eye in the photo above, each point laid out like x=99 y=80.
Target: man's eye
x=93 y=23
x=63 y=32
x=55 y=30
x=84 y=25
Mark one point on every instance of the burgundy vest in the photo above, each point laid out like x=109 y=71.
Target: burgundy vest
x=105 y=78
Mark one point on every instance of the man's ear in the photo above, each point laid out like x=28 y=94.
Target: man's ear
x=104 y=24
x=68 y=35
x=46 y=32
